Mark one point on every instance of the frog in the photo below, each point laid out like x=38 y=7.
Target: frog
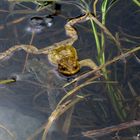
x=61 y=54
x=66 y=59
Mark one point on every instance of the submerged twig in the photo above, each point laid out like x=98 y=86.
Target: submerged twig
x=8 y=131
x=7 y=81
x=110 y=129
x=60 y=109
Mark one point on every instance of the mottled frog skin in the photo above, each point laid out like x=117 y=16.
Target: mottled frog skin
x=65 y=57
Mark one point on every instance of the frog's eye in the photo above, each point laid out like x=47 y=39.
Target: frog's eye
x=62 y=68
x=75 y=67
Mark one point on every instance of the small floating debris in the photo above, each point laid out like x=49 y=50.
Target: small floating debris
x=7 y=81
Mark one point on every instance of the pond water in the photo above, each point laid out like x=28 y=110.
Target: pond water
x=25 y=105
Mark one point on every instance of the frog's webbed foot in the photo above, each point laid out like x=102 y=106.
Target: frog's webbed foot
x=91 y=64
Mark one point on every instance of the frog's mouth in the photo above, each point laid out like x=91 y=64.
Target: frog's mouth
x=68 y=72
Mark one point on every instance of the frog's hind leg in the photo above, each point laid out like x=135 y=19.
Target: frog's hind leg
x=89 y=63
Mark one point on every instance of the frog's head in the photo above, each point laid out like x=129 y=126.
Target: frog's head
x=68 y=66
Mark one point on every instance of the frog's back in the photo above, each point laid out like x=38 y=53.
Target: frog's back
x=62 y=52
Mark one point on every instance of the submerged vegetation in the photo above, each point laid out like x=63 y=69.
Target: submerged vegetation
x=111 y=72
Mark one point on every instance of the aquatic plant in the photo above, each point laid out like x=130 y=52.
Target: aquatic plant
x=99 y=32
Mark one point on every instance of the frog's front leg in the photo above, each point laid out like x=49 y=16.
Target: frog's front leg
x=89 y=63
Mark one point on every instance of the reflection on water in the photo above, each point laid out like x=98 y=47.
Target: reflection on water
x=24 y=105
x=38 y=24
x=48 y=77
x=15 y=121
x=30 y=99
